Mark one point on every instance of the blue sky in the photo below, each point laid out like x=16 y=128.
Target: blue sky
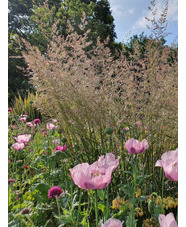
x=129 y=18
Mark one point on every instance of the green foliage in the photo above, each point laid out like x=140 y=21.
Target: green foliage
x=25 y=105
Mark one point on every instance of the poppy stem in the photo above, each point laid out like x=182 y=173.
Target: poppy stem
x=58 y=207
x=79 y=206
x=96 y=207
x=162 y=189
x=107 y=202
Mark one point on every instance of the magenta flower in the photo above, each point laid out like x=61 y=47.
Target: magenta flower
x=61 y=148
x=23 y=138
x=18 y=146
x=90 y=177
x=169 y=163
x=112 y=222
x=11 y=181
x=36 y=121
x=108 y=162
x=167 y=221
x=9 y=110
x=50 y=126
x=54 y=191
x=135 y=147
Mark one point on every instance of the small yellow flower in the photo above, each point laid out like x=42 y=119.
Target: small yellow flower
x=117 y=203
x=138 y=193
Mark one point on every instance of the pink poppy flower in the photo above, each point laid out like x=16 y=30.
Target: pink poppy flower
x=18 y=146
x=36 y=121
x=135 y=147
x=54 y=191
x=169 y=163
x=22 y=119
x=30 y=124
x=11 y=181
x=50 y=126
x=138 y=123
x=125 y=129
x=45 y=133
x=8 y=161
x=90 y=177
x=23 y=138
x=61 y=148
x=167 y=221
x=112 y=222
x=14 y=127
x=108 y=162
x=9 y=110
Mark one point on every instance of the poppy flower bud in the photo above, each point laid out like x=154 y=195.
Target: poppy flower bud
x=109 y=131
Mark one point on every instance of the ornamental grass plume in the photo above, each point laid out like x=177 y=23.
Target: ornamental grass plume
x=95 y=176
x=18 y=146
x=112 y=222
x=54 y=191
x=135 y=147
x=61 y=148
x=167 y=221
x=87 y=86
x=169 y=163
x=23 y=138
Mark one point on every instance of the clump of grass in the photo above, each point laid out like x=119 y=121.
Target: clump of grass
x=87 y=90
x=26 y=105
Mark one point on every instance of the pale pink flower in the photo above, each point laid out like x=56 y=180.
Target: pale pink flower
x=125 y=129
x=22 y=119
x=95 y=176
x=23 y=138
x=169 y=163
x=14 y=127
x=18 y=146
x=54 y=120
x=135 y=147
x=50 y=126
x=167 y=221
x=112 y=222
x=57 y=141
x=108 y=162
x=30 y=124
x=138 y=123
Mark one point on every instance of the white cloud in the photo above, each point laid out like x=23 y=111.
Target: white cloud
x=117 y=10
x=131 y=11
x=173 y=10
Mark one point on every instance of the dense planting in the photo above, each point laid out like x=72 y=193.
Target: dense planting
x=50 y=185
